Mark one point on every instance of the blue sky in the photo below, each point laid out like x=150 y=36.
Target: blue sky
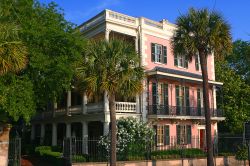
x=237 y=13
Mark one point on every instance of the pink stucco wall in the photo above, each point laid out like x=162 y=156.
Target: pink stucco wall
x=170 y=57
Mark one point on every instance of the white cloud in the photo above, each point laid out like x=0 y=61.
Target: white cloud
x=77 y=16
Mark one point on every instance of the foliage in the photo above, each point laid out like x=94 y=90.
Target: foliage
x=133 y=136
x=236 y=99
x=239 y=59
x=79 y=158
x=242 y=153
x=17 y=98
x=53 y=47
x=177 y=153
x=46 y=153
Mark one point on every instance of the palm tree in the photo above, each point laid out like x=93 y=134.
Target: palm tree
x=202 y=32
x=13 y=53
x=111 y=67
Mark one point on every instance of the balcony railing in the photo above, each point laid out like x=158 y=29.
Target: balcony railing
x=129 y=107
x=181 y=111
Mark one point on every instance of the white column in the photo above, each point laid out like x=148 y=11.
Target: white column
x=85 y=137
x=105 y=128
x=32 y=132
x=136 y=45
x=106 y=102
x=54 y=134
x=42 y=133
x=68 y=101
x=84 y=103
x=54 y=108
x=137 y=104
x=68 y=130
x=107 y=31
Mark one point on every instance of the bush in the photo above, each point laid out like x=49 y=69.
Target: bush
x=177 y=153
x=46 y=153
x=242 y=153
x=79 y=158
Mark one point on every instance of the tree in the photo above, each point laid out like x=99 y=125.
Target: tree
x=202 y=32
x=54 y=46
x=130 y=132
x=239 y=59
x=111 y=67
x=236 y=99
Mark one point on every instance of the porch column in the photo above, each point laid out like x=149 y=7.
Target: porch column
x=106 y=102
x=107 y=31
x=68 y=130
x=54 y=134
x=85 y=137
x=138 y=104
x=42 y=133
x=84 y=103
x=54 y=108
x=32 y=135
x=136 y=44
x=68 y=101
x=105 y=128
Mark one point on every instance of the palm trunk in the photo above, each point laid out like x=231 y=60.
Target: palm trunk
x=203 y=61
x=113 y=129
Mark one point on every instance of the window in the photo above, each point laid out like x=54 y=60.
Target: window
x=181 y=61
x=162 y=135
x=182 y=100
x=199 y=101
x=163 y=94
x=183 y=133
x=197 y=62
x=158 y=53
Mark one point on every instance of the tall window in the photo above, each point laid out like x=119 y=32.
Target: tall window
x=184 y=134
x=181 y=61
x=158 y=53
x=199 y=101
x=162 y=135
x=182 y=100
x=197 y=62
x=163 y=94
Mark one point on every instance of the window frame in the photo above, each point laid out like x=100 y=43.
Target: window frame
x=158 y=53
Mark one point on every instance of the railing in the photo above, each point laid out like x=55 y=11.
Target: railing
x=75 y=110
x=181 y=111
x=121 y=17
x=95 y=107
x=125 y=107
x=153 y=23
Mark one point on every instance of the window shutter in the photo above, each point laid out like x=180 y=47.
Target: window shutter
x=152 y=52
x=196 y=62
x=164 y=54
x=186 y=62
x=189 y=134
x=175 y=60
x=178 y=133
x=187 y=100
x=155 y=129
x=154 y=101
x=178 y=99
x=166 y=135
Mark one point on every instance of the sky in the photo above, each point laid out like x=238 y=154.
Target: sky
x=237 y=13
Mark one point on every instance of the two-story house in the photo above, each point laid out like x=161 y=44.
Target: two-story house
x=172 y=99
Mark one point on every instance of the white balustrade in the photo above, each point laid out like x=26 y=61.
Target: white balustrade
x=153 y=23
x=121 y=17
x=125 y=107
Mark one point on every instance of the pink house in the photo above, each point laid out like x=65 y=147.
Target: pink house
x=172 y=98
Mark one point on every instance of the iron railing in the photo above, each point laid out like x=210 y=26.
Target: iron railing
x=181 y=111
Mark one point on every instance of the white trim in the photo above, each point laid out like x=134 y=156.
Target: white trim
x=201 y=127
x=184 y=77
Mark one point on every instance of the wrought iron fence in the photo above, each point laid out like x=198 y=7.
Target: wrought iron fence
x=14 y=156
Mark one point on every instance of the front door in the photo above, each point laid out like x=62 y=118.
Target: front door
x=202 y=139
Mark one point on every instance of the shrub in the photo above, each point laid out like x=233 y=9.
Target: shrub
x=79 y=158
x=41 y=149
x=242 y=153
x=177 y=153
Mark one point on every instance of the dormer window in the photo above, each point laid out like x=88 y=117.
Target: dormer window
x=158 y=53
x=181 y=61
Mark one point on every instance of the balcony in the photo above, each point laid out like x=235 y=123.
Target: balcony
x=179 y=111
x=121 y=107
